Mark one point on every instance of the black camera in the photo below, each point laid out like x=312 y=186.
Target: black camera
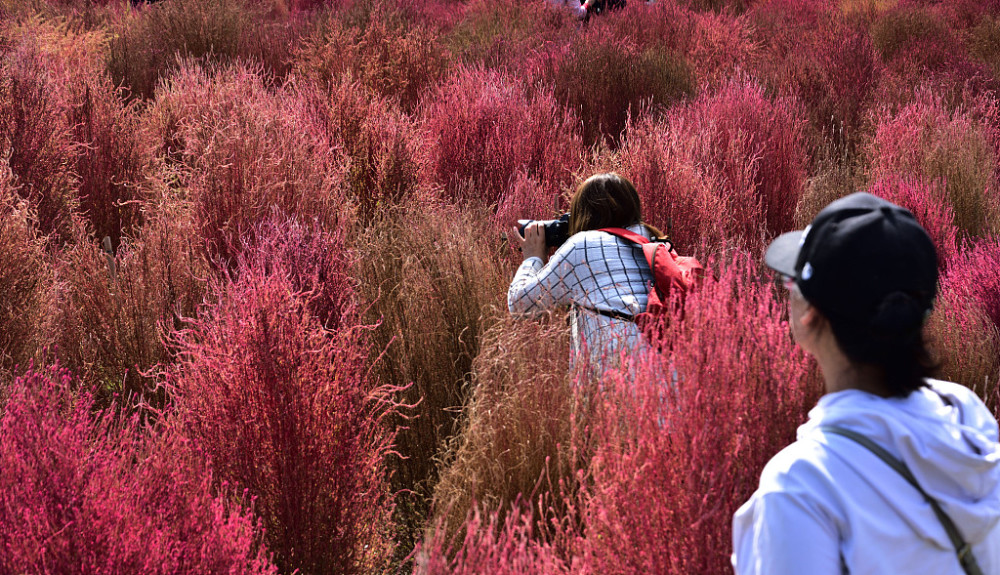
x=556 y=231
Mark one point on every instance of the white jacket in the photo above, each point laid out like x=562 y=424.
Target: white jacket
x=826 y=505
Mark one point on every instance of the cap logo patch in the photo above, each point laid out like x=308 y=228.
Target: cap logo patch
x=807 y=271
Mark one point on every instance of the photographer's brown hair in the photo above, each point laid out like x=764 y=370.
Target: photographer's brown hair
x=606 y=201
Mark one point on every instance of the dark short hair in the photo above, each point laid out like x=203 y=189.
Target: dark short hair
x=604 y=201
x=891 y=341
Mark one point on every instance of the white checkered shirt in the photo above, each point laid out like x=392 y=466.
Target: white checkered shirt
x=592 y=270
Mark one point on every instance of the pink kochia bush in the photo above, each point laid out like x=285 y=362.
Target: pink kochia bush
x=239 y=152
x=681 y=441
x=731 y=164
x=677 y=442
x=490 y=545
x=975 y=273
x=964 y=339
x=110 y=313
x=527 y=198
x=954 y=148
x=928 y=206
x=753 y=147
x=484 y=129
x=677 y=195
x=83 y=493
x=283 y=408
x=316 y=262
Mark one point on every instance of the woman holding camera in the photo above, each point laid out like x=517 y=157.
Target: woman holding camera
x=893 y=472
x=603 y=279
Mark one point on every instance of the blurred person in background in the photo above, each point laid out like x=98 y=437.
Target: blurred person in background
x=894 y=472
x=583 y=9
x=594 y=7
x=603 y=279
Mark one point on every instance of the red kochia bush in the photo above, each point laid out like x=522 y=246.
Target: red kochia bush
x=110 y=159
x=929 y=207
x=381 y=142
x=720 y=44
x=754 y=147
x=605 y=79
x=82 y=493
x=36 y=136
x=387 y=56
x=812 y=50
x=111 y=310
x=682 y=438
x=499 y=33
x=80 y=108
x=917 y=43
x=490 y=545
x=713 y=44
x=25 y=278
x=283 y=409
x=975 y=274
x=241 y=152
x=484 y=128
x=527 y=198
x=928 y=141
x=146 y=41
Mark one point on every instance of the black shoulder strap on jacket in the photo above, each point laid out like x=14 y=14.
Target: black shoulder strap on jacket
x=608 y=312
x=963 y=549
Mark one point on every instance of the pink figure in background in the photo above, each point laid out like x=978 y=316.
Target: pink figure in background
x=579 y=9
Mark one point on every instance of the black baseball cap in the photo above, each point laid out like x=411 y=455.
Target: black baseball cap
x=858 y=250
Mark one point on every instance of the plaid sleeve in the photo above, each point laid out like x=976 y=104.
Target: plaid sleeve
x=537 y=288
x=592 y=269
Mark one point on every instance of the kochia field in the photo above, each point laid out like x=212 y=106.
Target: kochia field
x=255 y=261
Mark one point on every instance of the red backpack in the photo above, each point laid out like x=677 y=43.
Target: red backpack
x=671 y=273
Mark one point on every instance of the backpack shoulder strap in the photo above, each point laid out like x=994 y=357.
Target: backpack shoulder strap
x=627 y=235
x=649 y=247
x=963 y=549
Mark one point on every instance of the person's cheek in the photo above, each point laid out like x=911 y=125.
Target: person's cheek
x=794 y=318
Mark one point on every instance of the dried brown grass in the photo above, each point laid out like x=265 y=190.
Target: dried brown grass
x=114 y=310
x=928 y=141
x=965 y=342
x=434 y=282
x=515 y=443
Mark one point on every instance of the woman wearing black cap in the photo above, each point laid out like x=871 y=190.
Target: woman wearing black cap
x=894 y=472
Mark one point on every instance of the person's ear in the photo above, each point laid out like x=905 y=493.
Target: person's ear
x=811 y=318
